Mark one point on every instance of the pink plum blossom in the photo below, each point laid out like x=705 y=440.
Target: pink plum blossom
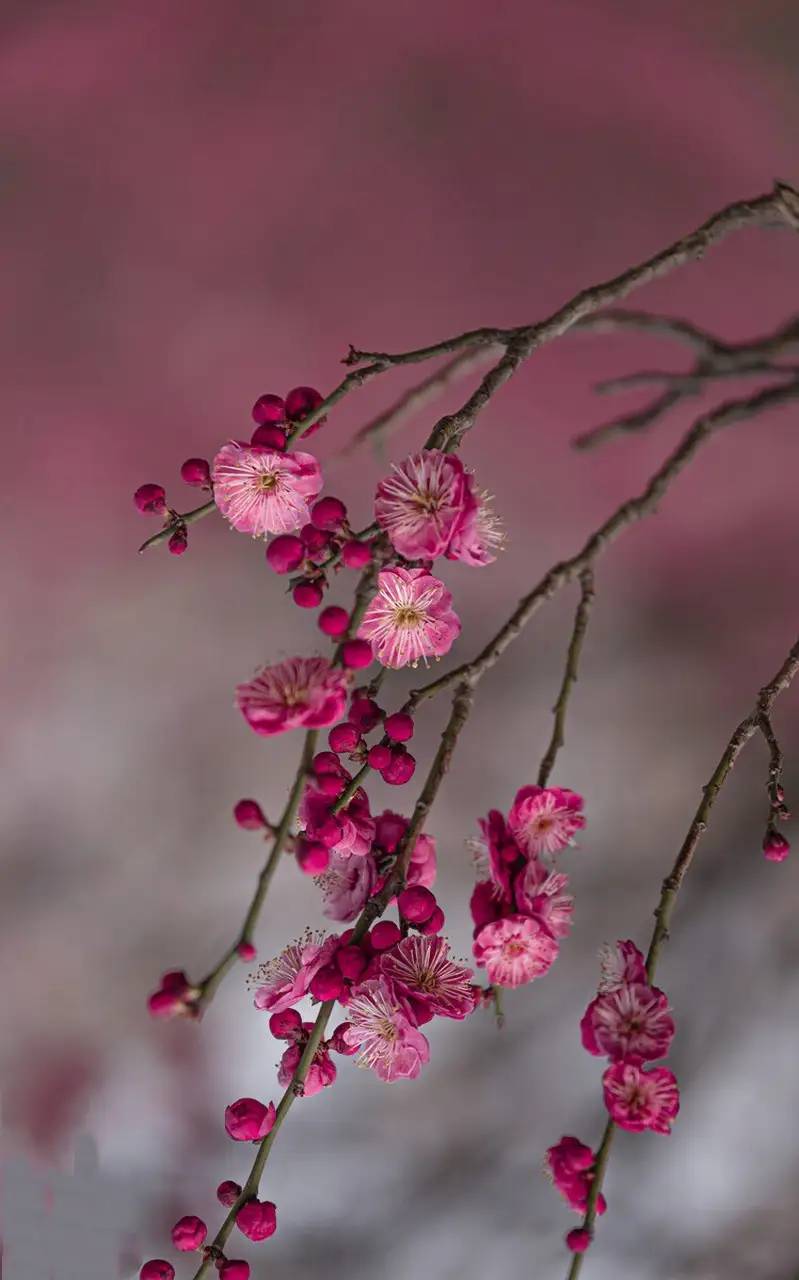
x=545 y=819
x=480 y=534
x=619 y=964
x=543 y=896
x=410 y=619
x=248 y=1120
x=421 y=969
x=321 y=1073
x=422 y=867
x=283 y=981
x=260 y=491
x=514 y=950
x=569 y=1164
x=305 y=693
x=423 y=502
x=356 y=824
x=632 y=1022
x=386 y=1039
x=638 y=1099
x=346 y=885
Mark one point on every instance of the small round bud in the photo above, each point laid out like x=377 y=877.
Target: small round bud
x=157 y=1269
x=234 y=1269
x=364 y=712
x=356 y=654
x=326 y=762
x=150 y=499
x=331 y=785
x=416 y=904
x=401 y=768
x=312 y=857
x=246 y=951
x=196 y=472
x=379 y=756
x=339 y=1044
x=257 y=1219
x=248 y=1120
x=775 y=847
x=269 y=436
x=178 y=543
x=227 y=1193
x=189 y=1233
x=399 y=727
x=435 y=924
x=249 y=815
x=327 y=983
x=300 y=402
x=578 y=1240
x=355 y=554
x=313 y=539
x=307 y=594
x=285 y=553
x=285 y=1024
x=384 y=935
x=351 y=962
x=269 y=408
x=333 y=621
x=328 y=514
x=344 y=737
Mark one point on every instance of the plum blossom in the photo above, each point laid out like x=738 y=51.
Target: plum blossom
x=569 y=1164
x=421 y=969
x=283 y=981
x=514 y=950
x=355 y=826
x=410 y=618
x=261 y=491
x=423 y=502
x=545 y=819
x=638 y=1099
x=321 y=1073
x=386 y=1039
x=543 y=895
x=305 y=693
x=346 y=885
x=618 y=964
x=480 y=534
x=632 y=1023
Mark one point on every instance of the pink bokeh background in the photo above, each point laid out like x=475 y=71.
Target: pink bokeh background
x=204 y=202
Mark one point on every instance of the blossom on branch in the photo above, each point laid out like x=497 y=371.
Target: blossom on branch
x=261 y=491
x=300 y=693
x=410 y=619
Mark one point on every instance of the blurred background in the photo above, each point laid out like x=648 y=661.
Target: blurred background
x=203 y=202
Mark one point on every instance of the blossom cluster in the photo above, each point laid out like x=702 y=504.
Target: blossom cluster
x=520 y=906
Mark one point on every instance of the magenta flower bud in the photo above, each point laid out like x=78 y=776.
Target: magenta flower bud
x=339 y=1043
x=356 y=654
x=355 y=554
x=435 y=924
x=189 y=1233
x=331 y=785
x=246 y=951
x=328 y=514
x=157 y=1269
x=775 y=847
x=416 y=904
x=379 y=756
x=233 y=1269
x=364 y=712
x=313 y=539
x=285 y=553
x=328 y=832
x=327 y=983
x=285 y=1024
x=399 y=727
x=307 y=594
x=401 y=769
x=343 y=737
x=196 y=472
x=301 y=401
x=326 y=762
x=384 y=935
x=351 y=962
x=248 y=1120
x=227 y=1193
x=578 y=1240
x=178 y=543
x=269 y=436
x=312 y=857
x=249 y=815
x=257 y=1219
x=176 y=982
x=333 y=621
x=164 y=1004
x=269 y=408
x=150 y=499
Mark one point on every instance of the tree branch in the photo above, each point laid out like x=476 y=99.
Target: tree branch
x=569 y=675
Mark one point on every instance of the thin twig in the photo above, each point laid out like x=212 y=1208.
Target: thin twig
x=569 y=675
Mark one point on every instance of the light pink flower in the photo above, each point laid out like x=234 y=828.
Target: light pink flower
x=283 y=981
x=321 y=1073
x=638 y=1099
x=423 y=865
x=386 y=1039
x=569 y=1164
x=410 y=618
x=480 y=534
x=543 y=895
x=514 y=950
x=632 y=1022
x=423 y=502
x=421 y=969
x=346 y=886
x=302 y=693
x=544 y=819
x=259 y=491
x=619 y=964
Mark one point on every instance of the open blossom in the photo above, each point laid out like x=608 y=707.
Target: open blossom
x=355 y=824
x=514 y=950
x=346 y=886
x=632 y=1022
x=386 y=1039
x=480 y=535
x=638 y=1099
x=569 y=1164
x=420 y=968
x=545 y=819
x=283 y=981
x=410 y=618
x=299 y=693
x=260 y=491
x=619 y=964
x=544 y=896
x=423 y=502
x=321 y=1073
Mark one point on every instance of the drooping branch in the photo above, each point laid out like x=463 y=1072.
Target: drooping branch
x=569 y=675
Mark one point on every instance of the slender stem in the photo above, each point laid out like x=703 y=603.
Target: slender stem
x=672 y=884
x=175 y=521
x=569 y=675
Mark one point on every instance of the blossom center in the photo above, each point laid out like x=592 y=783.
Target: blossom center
x=266 y=482
x=408 y=617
